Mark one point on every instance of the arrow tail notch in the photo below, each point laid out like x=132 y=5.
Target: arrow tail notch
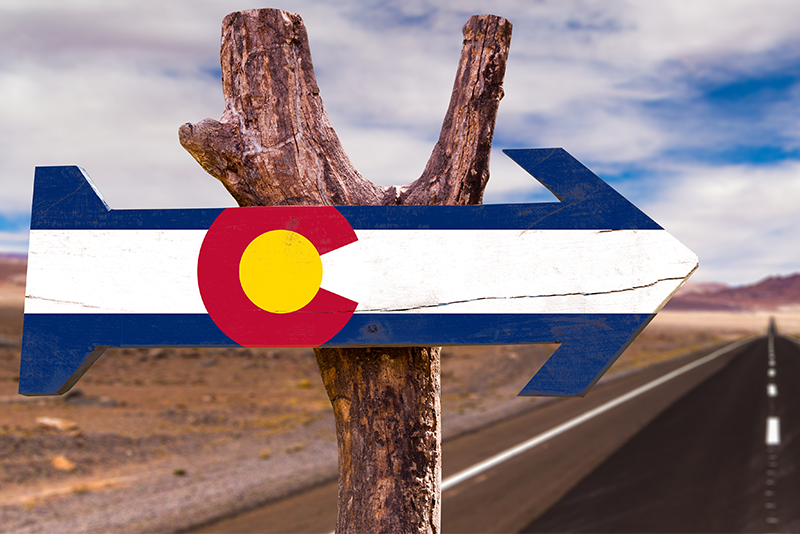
x=55 y=356
x=65 y=196
x=593 y=344
x=57 y=349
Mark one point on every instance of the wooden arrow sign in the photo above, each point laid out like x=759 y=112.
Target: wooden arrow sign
x=588 y=272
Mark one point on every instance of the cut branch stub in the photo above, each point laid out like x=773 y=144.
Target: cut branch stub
x=458 y=169
x=274 y=145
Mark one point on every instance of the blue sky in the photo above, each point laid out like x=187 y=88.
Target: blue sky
x=690 y=109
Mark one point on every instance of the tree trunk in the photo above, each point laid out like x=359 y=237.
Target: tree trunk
x=274 y=145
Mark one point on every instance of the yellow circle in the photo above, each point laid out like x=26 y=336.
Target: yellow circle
x=280 y=271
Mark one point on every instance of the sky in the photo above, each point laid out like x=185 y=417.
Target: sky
x=691 y=110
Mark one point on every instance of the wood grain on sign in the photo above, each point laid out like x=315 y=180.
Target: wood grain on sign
x=113 y=271
x=508 y=271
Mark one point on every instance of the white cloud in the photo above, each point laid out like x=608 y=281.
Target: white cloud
x=742 y=221
x=511 y=184
x=14 y=242
x=121 y=126
x=711 y=28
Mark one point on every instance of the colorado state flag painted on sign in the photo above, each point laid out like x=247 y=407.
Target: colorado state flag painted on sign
x=259 y=272
x=588 y=272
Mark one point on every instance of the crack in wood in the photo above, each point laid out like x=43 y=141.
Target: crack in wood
x=34 y=297
x=581 y=294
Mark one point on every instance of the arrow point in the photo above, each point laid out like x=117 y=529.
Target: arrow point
x=566 y=177
x=591 y=201
x=529 y=158
x=591 y=345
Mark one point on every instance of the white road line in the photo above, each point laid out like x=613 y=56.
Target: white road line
x=773 y=436
x=497 y=459
x=773 y=431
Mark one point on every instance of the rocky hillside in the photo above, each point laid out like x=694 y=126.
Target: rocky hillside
x=12 y=269
x=769 y=294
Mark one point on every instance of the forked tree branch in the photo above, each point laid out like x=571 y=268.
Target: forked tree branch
x=274 y=145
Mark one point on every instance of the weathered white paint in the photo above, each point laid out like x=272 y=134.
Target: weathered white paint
x=113 y=271
x=508 y=271
x=400 y=271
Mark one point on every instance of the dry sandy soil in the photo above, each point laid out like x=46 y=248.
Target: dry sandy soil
x=167 y=438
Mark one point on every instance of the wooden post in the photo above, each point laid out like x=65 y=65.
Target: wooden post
x=274 y=145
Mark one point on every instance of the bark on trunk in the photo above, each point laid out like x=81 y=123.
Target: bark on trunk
x=274 y=145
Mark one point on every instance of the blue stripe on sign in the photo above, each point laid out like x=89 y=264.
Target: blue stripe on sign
x=57 y=349
x=538 y=216
x=64 y=198
x=590 y=343
x=404 y=329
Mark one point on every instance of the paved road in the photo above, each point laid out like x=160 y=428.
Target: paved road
x=508 y=497
x=712 y=462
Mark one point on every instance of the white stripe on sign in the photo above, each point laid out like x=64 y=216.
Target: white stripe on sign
x=773 y=431
x=508 y=271
x=772 y=390
x=424 y=271
x=497 y=459
x=113 y=271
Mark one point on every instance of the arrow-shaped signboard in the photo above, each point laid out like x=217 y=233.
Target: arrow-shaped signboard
x=588 y=272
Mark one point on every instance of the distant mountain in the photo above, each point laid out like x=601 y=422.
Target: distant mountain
x=768 y=294
x=702 y=287
x=13 y=268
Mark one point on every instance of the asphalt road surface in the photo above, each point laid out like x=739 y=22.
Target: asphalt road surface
x=685 y=455
x=724 y=458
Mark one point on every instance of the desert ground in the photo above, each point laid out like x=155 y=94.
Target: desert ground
x=163 y=439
